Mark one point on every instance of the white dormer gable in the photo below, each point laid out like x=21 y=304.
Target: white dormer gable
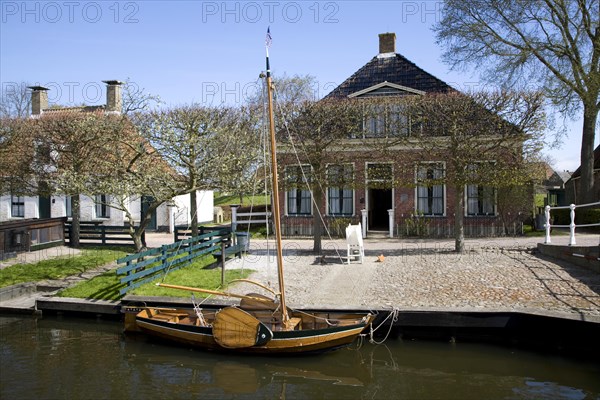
x=386 y=88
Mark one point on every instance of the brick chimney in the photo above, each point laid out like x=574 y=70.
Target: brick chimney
x=39 y=99
x=113 y=96
x=387 y=43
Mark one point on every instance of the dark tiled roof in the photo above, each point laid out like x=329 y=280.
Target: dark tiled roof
x=577 y=172
x=394 y=69
x=69 y=110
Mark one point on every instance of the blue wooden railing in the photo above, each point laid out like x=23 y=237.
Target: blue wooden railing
x=144 y=267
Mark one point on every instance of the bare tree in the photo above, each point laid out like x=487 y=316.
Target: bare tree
x=136 y=99
x=552 y=43
x=15 y=100
x=485 y=140
x=198 y=143
x=317 y=137
x=69 y=148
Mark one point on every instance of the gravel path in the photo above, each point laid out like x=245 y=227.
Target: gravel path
x=502 y=275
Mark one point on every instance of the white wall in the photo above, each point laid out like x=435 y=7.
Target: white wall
x=166 y=216
x=31 y=208
x=181 y=210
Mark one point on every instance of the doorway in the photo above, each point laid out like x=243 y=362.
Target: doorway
x=146 y=201
x=44 y=206
x=380 y=201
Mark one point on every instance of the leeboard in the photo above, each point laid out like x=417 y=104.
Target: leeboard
x=234 y=328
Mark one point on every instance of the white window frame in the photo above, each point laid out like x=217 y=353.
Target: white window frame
x=305 y=194
x=351 y=196
x=442 y=188
x=480 y=197
x=101 y=207
x=19 y=202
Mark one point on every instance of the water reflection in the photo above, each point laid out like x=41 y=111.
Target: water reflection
x=71 y=358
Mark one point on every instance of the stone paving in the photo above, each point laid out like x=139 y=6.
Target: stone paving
x=492 y=275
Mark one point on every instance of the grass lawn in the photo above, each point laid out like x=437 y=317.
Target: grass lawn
x=107 y=285
x=530 y=231
x=60 y=267
x=223 y=199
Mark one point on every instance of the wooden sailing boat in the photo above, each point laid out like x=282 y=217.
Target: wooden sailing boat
x=259 y=324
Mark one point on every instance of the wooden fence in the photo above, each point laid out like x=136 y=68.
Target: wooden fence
x=94 y=233
x=425 y=227
x=182 y=232
x=144 y=267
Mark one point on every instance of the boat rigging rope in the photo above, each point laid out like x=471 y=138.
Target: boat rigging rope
x=394 y=318
x=198 y=310
x=305 y=179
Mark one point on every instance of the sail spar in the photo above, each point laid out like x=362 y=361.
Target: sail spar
x=275 y=184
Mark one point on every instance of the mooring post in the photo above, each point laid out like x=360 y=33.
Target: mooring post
x=572 y=226
x=364 y=223
x=222 y=263
x=547 y=211
x=234 y=208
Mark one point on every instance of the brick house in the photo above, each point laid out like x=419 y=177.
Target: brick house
x=375 y=198
x=572 y=185
x=98 y=210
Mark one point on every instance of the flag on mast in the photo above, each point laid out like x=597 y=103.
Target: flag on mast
x=268 y=39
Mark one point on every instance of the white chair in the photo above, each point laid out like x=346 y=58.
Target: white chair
x=354 y=241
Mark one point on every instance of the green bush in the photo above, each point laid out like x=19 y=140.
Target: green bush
x=417 y=225
x=582 y=216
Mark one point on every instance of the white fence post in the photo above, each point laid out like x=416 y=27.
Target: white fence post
x=364 y=223
x=234 y=208
x=391 y=222
x=572 y=226
x=547 y=210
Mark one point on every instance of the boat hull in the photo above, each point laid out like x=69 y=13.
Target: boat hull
x=297 y=341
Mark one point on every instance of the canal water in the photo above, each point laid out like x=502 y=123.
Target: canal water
x=69 y=358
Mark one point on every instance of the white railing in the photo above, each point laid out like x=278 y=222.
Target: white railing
x=571 y=226
x=250 y=217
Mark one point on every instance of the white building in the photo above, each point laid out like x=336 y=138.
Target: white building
x=99 y=210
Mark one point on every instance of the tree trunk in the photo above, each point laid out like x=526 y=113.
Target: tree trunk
x=138 y=233
x=75 y=222
x=194 y=213
x=137 y=241
x=459 y=229
x=586 y=184
x=317 y=225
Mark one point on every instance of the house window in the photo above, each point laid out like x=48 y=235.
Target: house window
x=380 y=176
x=430 y=190
x=386 y=121
x=375 y=122
x=17 y=206
x=68 y=207
x=340 y=199
x=298 y=196
x=102 y=209
x=481 y=200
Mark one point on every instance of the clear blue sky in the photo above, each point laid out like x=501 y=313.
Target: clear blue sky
x=213 y=51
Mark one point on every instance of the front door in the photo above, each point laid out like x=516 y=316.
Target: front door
x=44 y=206
x=146 y=201
x=379 y=195
x=380 y=201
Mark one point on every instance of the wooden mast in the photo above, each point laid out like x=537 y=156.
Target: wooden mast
x=276 y=208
